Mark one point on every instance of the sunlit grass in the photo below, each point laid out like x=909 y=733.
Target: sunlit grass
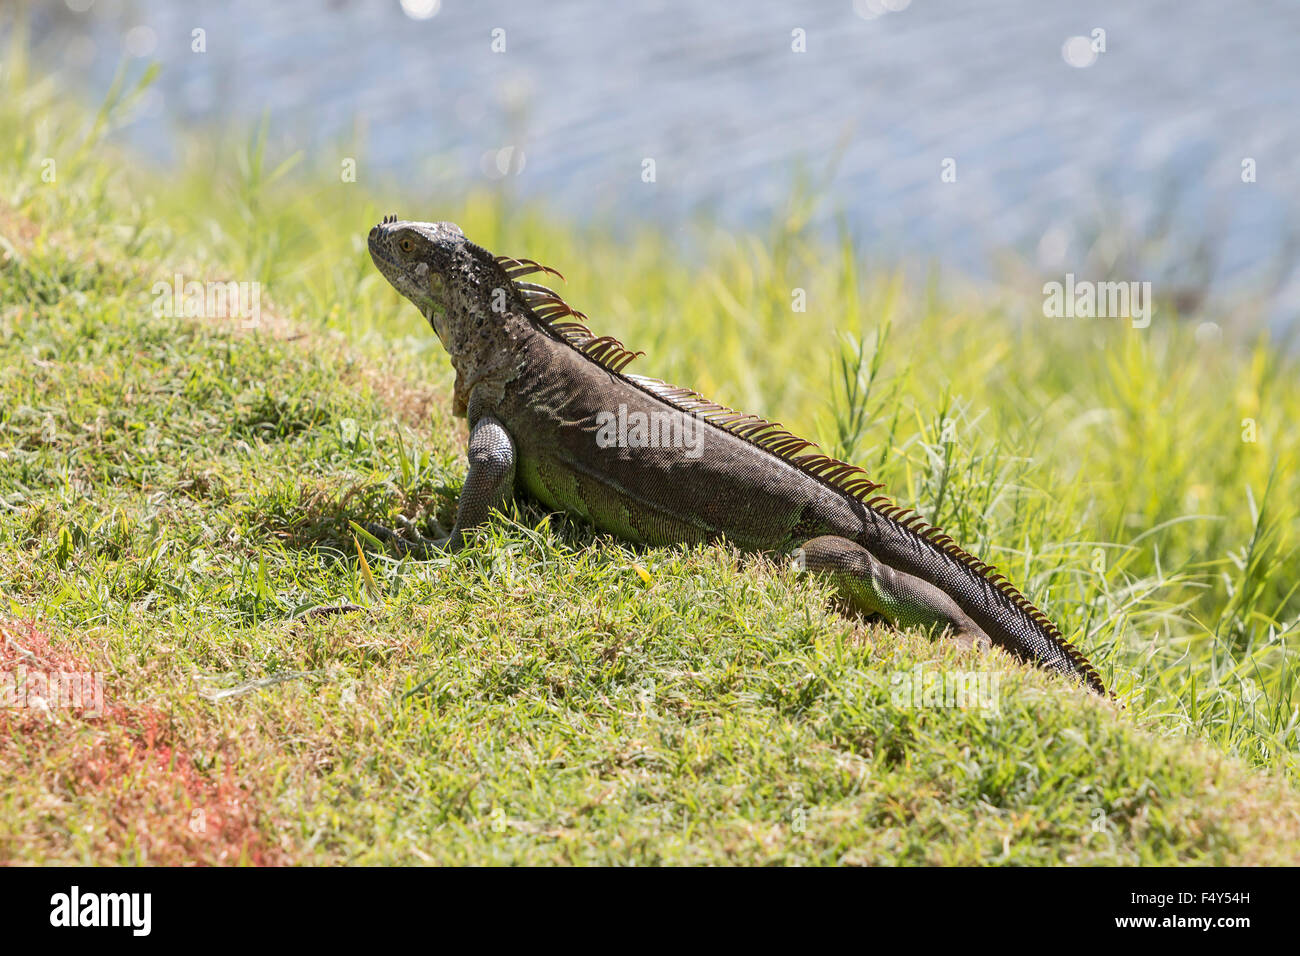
x=174 y=495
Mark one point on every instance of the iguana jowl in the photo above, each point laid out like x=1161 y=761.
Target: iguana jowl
x=538 y=387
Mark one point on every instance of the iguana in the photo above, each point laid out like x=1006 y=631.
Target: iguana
x=553 y=415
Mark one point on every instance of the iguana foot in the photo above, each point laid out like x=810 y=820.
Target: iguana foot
x=413 y=543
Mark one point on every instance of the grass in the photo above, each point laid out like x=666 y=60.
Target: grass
x=176 y=497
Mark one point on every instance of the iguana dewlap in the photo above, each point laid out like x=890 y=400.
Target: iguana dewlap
x=553 y=416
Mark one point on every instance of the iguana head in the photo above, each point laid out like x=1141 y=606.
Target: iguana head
x=472 y=302
x=422 y=261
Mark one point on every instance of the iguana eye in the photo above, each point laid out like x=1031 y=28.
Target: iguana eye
x=406 y=245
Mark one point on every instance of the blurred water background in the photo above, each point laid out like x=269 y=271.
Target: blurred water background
x=1125 y=163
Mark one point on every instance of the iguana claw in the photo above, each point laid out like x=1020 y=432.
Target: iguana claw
x=413 y=543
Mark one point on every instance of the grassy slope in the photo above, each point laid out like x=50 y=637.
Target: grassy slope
x=174 y=494
x=178 y=490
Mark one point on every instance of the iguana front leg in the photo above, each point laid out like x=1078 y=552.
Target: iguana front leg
x=873 y=587
x=489 y=484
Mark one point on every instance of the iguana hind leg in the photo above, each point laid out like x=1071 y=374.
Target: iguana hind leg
x=873 y=587
x=489 y=484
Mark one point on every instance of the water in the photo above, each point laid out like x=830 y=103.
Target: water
x=585 y=93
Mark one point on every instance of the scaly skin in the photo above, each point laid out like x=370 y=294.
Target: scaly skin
x=539 y=391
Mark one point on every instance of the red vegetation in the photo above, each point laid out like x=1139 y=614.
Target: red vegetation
x=117 y=785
